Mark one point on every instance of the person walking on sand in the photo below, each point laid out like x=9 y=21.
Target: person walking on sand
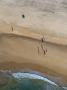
x=12 y=28
x=43 y=46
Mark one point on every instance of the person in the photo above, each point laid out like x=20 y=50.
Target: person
x=42 y=46
x=12 y=28
x=23 y=16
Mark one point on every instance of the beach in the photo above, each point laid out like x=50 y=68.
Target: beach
x=20 y=51
x=33 y=36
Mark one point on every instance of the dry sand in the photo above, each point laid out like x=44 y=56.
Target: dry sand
x=19 y=50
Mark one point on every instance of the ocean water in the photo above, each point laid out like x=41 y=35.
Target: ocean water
x=26 y=81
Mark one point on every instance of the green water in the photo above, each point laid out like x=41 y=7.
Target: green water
x=26 y=84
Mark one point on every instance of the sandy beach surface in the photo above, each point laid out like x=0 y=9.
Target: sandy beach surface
x=21 y=46
x=21 y=49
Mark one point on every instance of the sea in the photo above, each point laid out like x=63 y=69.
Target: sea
x=26 y=81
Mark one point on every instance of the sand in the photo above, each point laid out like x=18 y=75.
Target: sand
x=21 y=49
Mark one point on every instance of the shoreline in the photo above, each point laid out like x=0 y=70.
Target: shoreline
x=15 y=67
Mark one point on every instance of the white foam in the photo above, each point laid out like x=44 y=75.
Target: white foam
x=65 y=88
x=20 y=75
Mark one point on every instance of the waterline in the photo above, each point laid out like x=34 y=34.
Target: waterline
x=20 y=75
